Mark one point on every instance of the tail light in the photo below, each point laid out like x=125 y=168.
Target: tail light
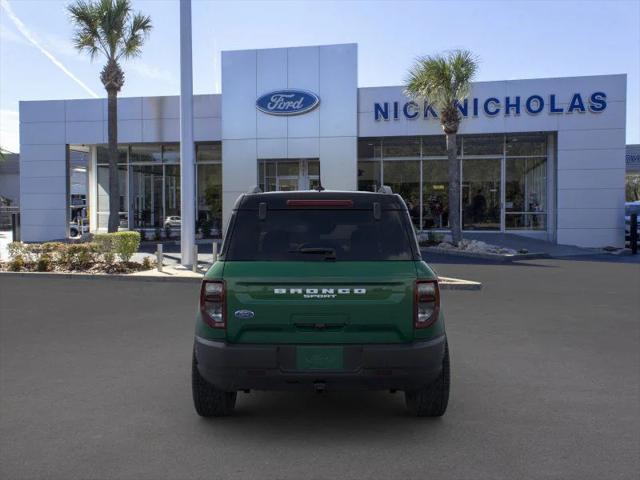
x=212 y=303
x=427 y=303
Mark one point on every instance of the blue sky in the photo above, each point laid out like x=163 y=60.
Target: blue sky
x=512 y=39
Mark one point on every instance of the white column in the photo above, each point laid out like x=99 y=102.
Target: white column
x=187 y=148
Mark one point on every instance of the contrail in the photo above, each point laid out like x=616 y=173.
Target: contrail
x=31 y=38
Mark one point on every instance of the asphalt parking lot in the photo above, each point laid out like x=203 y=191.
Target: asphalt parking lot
x=95 y=383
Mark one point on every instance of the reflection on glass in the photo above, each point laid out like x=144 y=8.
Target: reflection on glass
x=481 y=194
x=403 y=176
x=103 y=154
x=435 y=194
x=171 y=153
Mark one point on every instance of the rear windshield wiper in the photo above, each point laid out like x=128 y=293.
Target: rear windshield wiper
x=329 y=253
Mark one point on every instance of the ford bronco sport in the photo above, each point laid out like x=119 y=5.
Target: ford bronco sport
x=320 y=291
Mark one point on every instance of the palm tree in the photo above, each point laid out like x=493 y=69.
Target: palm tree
x=444 y=81
x=112 y=29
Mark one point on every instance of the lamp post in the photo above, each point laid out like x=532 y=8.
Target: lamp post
x=187 y=148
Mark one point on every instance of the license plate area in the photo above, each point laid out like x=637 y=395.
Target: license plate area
x=313 y=357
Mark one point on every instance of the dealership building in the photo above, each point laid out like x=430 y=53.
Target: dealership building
x=543 y=158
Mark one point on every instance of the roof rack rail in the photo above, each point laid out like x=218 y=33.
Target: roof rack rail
x=385 y=189
x=255 y=189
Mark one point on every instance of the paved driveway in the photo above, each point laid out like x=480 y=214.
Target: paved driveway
x=94 y=383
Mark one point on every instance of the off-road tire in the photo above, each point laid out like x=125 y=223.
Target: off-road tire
x=432 y=400
x=208 y=400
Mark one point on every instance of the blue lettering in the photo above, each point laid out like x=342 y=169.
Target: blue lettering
x=598 y=102
x=410 y=110
x=464 y=108
x=380 y=111
x=510 y=106
x=539 y=104
x=496 y=102
x=475 y=107
x=552 y=106
x=576 y=104
x=428 y=109
x=395 y=110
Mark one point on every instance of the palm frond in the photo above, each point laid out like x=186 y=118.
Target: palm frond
x=442 y=80
x=139 y=29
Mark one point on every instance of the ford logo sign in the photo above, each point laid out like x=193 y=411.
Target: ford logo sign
x=244 y=314
x=287 y=102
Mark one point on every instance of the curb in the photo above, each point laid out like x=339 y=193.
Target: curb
x=100 y=276
x=487 y=256
x=446 y=283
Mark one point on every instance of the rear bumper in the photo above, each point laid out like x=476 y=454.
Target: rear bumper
x=232 y=367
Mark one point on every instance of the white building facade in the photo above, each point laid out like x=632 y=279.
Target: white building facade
x=541 y=157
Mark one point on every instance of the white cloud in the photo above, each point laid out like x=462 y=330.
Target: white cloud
x=9 y=130
x=31 y=37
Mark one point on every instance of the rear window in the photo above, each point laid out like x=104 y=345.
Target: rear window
x=308 y=235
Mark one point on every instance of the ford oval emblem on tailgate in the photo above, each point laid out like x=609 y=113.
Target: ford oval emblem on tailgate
x=244 y=314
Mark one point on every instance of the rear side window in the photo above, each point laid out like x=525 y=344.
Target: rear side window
x=303 y=235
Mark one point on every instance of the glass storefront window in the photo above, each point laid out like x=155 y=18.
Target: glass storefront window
x=369 y=176
x=208 y=152
x=369 y=148
x=483 y=144
x=401 y=147
x=209 y=202
x=102 y=203
x=433 y=146
x=171 y=153
x=526 y=144
x=146 y=190
x=525 y=193
x=403 y=176
x=171 y=191
x=481 y=194
x=103 y=154
x=146 y=153
x=435 y=194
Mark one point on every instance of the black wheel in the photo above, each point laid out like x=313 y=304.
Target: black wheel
x=432 y=400
x=73 y=232
x=209 y=400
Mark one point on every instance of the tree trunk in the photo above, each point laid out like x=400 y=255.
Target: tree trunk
x=454 y=188
x=114 y=183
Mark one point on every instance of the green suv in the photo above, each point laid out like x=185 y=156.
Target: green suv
x=320 y=291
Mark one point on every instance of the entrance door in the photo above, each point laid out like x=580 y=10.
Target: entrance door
x=287 y=175
x=481 y=194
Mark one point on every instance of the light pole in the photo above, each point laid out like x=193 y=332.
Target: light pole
x=187 y=148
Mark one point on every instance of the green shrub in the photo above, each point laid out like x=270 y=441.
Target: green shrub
x=146 y=263
x=44 y=263
x=106 y=246
x=17 y=263
x=79 y=256
x=126 y=244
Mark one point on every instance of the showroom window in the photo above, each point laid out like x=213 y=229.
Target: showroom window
x=209 y=189
x=503 y=178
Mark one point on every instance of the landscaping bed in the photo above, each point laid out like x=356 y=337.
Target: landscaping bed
x=479 y=249
x=107 y=253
